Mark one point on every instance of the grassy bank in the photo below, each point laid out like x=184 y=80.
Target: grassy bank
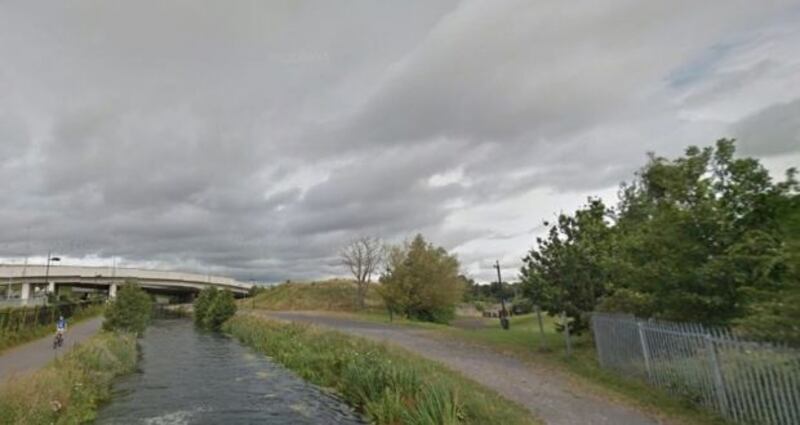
x=329 y=295
x=525 y=342
x=69 y=390
x=30 y=333
x=388 y=385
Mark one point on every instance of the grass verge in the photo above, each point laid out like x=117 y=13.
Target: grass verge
x=69 y=390
x=13 y=339
x=524 y=341
x=388 y=385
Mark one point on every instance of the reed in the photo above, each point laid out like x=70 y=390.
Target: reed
x=386 y=384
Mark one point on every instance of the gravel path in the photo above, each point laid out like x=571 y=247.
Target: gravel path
x=36 y=354
x=545 y=393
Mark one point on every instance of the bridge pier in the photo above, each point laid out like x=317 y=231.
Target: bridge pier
x=25 y=294
x=112 y=290
x=51 y=287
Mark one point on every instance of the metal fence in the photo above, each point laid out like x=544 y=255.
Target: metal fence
x=746 y=382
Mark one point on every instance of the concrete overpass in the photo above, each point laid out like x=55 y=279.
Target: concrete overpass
x=37 y=279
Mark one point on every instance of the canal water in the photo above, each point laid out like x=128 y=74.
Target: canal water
x=188 y=376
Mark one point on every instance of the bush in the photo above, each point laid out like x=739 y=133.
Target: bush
x=522 y=305
x=213 y=307
x=421 y=282
x=131 y=311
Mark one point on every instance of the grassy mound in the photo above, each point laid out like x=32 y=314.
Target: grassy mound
x=329 y=295
x=69 y=390
x=388 y=385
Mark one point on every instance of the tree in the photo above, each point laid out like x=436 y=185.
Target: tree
x=421 y=281
x=213 y=307
x=363 y=257
x=565 y=273
x=130 y=311
x=706 y=237
x=700 y=236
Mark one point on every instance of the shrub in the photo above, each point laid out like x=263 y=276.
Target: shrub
x=522 y=305
x=421 y=282
x=213 y=307
x=131 y=311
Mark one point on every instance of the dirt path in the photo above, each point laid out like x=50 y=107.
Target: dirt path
x=545 y=393
x=36 y=354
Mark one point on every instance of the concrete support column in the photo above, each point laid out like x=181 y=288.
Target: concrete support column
x=51 y=287
x=112 y=291
x=26 y=291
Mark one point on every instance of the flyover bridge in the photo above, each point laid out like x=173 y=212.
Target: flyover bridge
x=30 y=280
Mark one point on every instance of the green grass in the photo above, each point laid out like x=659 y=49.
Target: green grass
x=386 y=384
x=330 y=295
x=69 y=390
x=524 y=341
x=13 y=339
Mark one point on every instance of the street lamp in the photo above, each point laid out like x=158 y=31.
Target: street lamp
x=47 y=269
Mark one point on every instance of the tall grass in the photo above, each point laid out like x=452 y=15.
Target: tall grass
x=388 y=385
x=69 y=390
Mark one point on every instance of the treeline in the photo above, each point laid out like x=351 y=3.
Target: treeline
x=707 y=237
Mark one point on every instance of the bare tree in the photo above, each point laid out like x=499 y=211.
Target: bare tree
x=363 y=256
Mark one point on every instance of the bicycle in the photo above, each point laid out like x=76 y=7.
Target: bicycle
x=58 y=341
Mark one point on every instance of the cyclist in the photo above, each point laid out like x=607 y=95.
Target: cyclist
x=61 y=328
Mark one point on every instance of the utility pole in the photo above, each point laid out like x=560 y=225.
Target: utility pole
x=503 y=312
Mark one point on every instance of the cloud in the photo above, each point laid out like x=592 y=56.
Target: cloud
x=253 y=139
x=774 y=130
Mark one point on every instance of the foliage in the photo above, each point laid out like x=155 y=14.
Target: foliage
x=256 y=290
x=69 y=390
x=522 y=305
x=706 y=237
x=213 y=307
x=130 y=311
x=421 y=281
x=388 y=385
x=566 y=271
x=23 y=324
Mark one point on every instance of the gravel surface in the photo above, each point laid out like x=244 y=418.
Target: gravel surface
x=545 y=393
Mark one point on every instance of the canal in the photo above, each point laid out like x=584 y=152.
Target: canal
x=188 y=376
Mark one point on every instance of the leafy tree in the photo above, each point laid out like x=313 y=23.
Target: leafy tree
x=421 y=281
x=213 y=307
x=130 y=311
x=706 y=237
x=697 y=237
x=566 y=271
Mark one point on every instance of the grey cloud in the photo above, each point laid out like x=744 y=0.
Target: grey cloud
x=774 y=130
x=253 y=139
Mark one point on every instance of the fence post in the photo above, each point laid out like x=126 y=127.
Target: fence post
x=645 y=350
x=719 y=383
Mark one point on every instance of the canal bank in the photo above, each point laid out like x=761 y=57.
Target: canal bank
x=187 y=376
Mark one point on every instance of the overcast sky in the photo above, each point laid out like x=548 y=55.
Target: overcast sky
x=254 y=138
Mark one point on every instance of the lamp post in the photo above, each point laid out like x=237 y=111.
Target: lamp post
x=47 y=269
